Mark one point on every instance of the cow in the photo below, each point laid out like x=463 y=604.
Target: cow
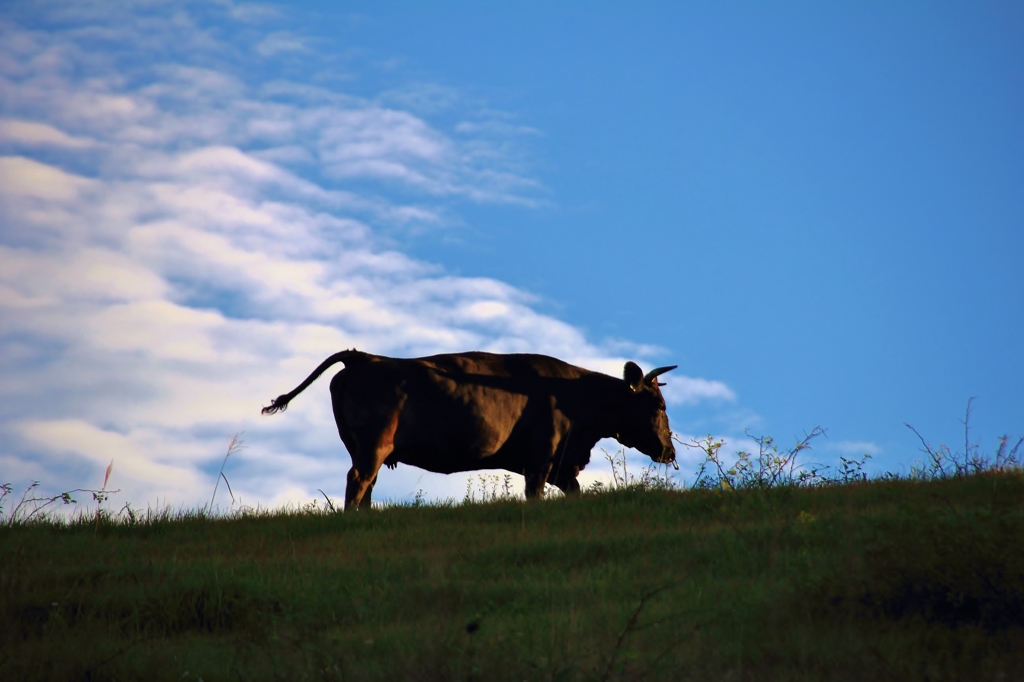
x=530 y=414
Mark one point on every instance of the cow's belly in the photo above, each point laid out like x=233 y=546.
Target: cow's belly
x=447 y=460
x=449 y=455
x=471 y=435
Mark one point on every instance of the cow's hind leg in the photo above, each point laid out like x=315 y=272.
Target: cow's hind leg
x=366 y=502
x=371 y=452
x=568 y=485
x=358 y=489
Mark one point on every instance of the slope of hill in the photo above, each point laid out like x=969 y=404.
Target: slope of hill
x=883 y=579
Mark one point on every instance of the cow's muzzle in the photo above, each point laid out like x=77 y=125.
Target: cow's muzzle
x=668 y=456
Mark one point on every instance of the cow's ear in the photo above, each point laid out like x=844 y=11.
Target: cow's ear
x=633 y=375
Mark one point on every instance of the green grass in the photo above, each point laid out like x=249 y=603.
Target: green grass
x=878 y=580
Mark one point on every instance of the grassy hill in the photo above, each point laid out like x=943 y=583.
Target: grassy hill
x=888 y=579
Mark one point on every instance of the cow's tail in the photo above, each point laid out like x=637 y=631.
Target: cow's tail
x=280 y=404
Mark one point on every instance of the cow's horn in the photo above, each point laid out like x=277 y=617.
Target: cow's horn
x=658 y=372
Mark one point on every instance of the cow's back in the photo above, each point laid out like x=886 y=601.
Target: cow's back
x=521 y=366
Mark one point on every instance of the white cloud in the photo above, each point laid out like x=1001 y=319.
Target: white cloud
x=858 y=447
x=205 y=255
x=499 y=127
x=684 y=390
x=100 y=446
x=22 y=177
x=29 y=133
x=277 y=43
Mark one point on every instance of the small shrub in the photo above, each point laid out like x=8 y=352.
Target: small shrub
x=33 y=507
x=943 y=462
x=652 y=477
x=489 y=488
x=769 y=468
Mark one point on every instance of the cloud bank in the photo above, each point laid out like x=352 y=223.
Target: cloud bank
x=182 y=239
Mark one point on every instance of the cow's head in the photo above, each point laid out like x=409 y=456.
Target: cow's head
x=643 y=424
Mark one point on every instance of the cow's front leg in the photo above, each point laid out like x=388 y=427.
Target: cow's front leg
x=546 y=439
x=535 y=481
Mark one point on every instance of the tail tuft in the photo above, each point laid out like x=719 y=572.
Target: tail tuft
x=279 y=404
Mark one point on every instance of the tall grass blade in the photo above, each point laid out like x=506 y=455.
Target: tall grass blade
x=234 y=445
x=106 y=477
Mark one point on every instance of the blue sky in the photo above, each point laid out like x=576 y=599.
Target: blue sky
x=815 y=211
